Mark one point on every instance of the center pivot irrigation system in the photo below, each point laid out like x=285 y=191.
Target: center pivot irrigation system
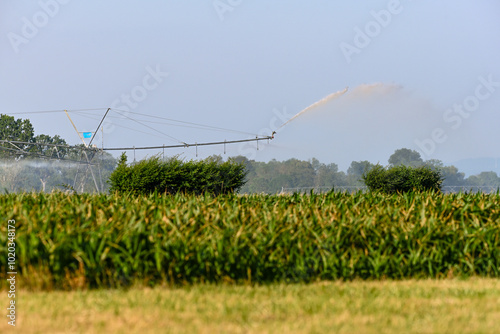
x=86 y=152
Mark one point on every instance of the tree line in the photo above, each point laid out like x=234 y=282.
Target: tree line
x=273 y=176
x=23 y=169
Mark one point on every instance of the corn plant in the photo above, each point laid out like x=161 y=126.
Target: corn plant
x=118 y=240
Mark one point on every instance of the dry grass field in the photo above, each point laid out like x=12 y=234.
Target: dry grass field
x=410 y=306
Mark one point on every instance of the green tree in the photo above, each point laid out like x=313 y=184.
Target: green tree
x=244 y=161
x=327 y=175
x=356 y=171
x=402 y=179
x=484 y=179
x=406 y=157
x=10 y=175
x=435 y=164
x=15 y=130
x=452 y=177
x=46 y=146
x=297 y=173
x=211 y=175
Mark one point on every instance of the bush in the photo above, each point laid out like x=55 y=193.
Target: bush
x=402 y=179
x=174 y=175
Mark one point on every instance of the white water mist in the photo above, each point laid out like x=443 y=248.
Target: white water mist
x=316 y=104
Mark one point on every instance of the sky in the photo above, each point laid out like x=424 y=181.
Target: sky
x=423 y=75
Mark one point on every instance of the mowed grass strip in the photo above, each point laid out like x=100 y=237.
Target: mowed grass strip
x=78 y=241
x=413 y=306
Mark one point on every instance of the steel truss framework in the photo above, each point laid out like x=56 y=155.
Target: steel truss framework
x=86 y=154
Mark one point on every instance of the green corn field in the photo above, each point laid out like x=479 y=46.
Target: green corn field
x=91 y=241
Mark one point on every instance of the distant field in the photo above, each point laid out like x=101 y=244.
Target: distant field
x=425 y=306
x=73 y=241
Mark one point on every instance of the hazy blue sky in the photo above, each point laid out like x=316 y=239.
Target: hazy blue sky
x=429 y=73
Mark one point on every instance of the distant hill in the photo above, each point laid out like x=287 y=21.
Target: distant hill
x=477 y=165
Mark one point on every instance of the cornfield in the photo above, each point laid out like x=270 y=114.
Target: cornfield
x=67 y=241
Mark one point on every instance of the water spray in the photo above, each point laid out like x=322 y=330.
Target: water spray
x=314 y=105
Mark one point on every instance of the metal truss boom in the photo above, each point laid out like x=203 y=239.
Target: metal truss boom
x=187 y=145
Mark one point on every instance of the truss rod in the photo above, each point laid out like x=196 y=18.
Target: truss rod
x=186 y=145
x=80 y=147
x=22 y=152
x=3 y=141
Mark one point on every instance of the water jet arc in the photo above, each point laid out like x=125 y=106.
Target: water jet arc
x=316 y=104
